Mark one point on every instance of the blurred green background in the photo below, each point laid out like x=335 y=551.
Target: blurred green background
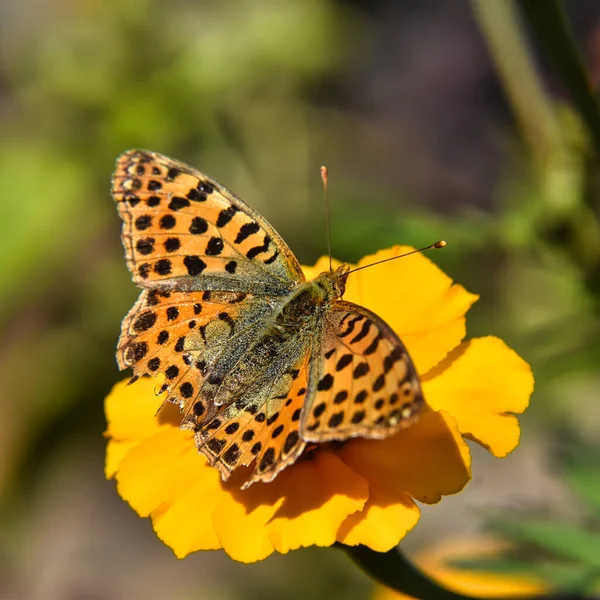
x=436 y=120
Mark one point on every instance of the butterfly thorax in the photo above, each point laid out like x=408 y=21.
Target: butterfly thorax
x=309 y=299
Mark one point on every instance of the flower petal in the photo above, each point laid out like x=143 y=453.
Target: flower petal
x=417 y=299
x=131 y=409
x=389 y=514
x=425 y=461
x=320 y=495
x=185 y=524
x=115 y=453
x=240 y=520
x=131 y=413
x=158 y=468
x=165 y=477
x=304 y=506
x=478 y=384
x=414 y=297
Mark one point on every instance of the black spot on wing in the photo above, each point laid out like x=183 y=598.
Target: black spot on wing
x=232 y=455
x=144 y=322
x=195 y=195
x=198 y=226
x=172 y=244
x=226 y=215
x=145 y=246
x=246 y=231
x=167 y=222
x=268 y=459
x=214 y=247
x=350 y=326
x=194 y=265
x=143 y=222
x=343 y=362
x=364 y=331
x=172 y=174
x=325 y=383
x=163 y=266
x=290 y=441
x=177 y=203
x=256 y=250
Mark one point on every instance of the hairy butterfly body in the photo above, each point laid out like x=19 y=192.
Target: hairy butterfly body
x=260 y=361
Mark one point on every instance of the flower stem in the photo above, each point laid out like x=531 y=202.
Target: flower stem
x=504 y=35
x=395 y=571
x=551 y=28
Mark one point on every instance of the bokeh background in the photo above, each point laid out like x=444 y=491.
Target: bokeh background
x=435 y=122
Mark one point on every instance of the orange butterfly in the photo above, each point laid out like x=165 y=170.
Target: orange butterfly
x=260 y=361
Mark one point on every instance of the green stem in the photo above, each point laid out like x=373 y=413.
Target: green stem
x=395 y=571
x=502 y=30
x=547 y=20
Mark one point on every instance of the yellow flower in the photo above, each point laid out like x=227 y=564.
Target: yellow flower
x=363 y=492
x=435 y=563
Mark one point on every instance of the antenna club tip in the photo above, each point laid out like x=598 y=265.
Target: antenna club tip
x=440 y=244
x=324 y=173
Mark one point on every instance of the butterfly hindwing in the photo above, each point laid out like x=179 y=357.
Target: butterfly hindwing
x=183 y=230
x=264 y=434
x=363 y=380
x=240 y=389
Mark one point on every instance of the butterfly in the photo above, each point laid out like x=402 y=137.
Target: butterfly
x=262 y=363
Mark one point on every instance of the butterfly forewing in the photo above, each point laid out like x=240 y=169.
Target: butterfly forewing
x=363 y=381
x=183 y=230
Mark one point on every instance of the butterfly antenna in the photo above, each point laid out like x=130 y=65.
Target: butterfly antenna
x=324 y=178
x=439 y=244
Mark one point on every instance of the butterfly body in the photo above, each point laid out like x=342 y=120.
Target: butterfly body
x=260 y=361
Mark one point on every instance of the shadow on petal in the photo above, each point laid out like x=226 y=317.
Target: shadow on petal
x=386 y=518
x=427 y=460
x=169 y=414
x=306 y=486
x=315 y=481
x=446 y=363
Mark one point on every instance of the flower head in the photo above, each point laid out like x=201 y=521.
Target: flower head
x=362 y=492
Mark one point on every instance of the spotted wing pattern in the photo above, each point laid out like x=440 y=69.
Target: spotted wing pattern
x=267 y=433
x=364 y=382
x=191 y=337
x=257 y=376
x=183 y=335
x=183 y=230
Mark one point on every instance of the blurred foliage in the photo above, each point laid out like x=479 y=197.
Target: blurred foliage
x=563 y=554
x=259 y=94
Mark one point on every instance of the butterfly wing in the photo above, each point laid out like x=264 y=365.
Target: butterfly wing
x=193 y=338
x=261 y=433
x=362 y=380
x=184 y=335
x=183 y=230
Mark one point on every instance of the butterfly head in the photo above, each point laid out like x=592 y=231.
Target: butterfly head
x=333 y=283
